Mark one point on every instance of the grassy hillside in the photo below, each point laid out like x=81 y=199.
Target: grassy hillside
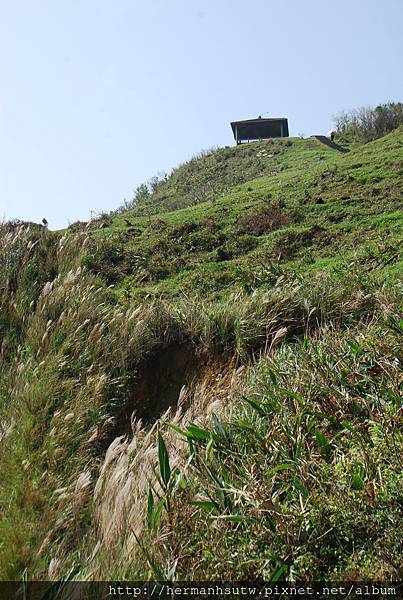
x=309 y=208
x=208 y=384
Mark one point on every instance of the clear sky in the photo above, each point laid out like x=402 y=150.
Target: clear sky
x=97 y=96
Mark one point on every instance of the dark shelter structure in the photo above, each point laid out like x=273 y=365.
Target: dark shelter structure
x=259 y=129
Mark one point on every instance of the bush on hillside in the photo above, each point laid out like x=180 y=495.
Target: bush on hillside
x=366 y=123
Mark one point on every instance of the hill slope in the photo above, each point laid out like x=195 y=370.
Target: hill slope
x=308 y=208
x=254 y=296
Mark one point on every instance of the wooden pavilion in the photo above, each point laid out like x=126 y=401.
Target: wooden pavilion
x=259 y=129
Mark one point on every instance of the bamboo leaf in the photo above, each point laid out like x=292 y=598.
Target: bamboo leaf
x=175 y=428
x=244 y=424
x=198 y=433
x=163 y=458
x=257 y=406
x=326 y=449
x=281 y=467
x=209 y=450
x=239 y=519
x=299 y=486
x=205 y=504
x=157 y=513
x=277 y=573
x=272 y=376
x=150 y=508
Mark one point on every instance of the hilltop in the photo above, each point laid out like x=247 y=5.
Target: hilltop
x=205 y=383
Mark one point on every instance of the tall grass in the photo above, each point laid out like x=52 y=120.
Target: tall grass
x=79 y=488
x=302 y=478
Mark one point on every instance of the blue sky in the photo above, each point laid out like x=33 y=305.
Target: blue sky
x=97 y=96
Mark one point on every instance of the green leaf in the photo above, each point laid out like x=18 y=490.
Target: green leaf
x=319 y=415
x=214 y=476
x=200 y=434
x=244 y=424
x=277 y=573
x=281 y=467
x=299 y=486
x=326 y=449
x=310 y=424
x=156 y=571
x=163 y=458
x=395 y=325
x=205 y=504
x=290 y=394
x=150 y=508
x=355 y=348
x=181 y=483
x=239 y=519
x=347 y=426
x=257 y=406
x=157 y=513
x=357 y=482
x=194 y=432
x=209 y=450
x=175 y=428
x=272 y=376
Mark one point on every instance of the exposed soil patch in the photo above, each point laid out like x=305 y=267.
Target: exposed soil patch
x=160 y=380
x=162 y=376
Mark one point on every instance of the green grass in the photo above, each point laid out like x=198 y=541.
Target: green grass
x=315 y=205
x=303 y=474
x=279 y=257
